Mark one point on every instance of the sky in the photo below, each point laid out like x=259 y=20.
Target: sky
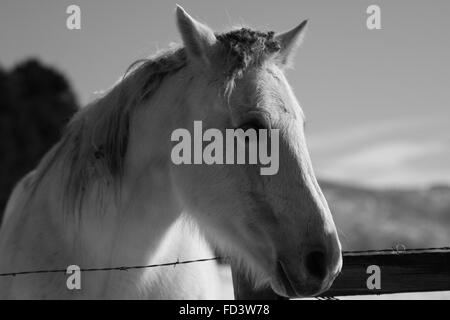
x=376 y=101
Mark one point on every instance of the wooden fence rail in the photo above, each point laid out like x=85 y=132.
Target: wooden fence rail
x=420 y=270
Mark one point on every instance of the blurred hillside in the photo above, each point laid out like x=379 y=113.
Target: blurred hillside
x=381 y=219
x=35 y=103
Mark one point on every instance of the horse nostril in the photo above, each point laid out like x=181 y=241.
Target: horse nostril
x=315 y=264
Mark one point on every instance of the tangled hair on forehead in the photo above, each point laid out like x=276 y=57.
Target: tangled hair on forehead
x=94 y=145
x=245 y=47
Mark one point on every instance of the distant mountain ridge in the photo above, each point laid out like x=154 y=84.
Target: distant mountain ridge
x=379 y=219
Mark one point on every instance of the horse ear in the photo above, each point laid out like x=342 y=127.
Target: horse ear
x=198 y=38
x=289 y=42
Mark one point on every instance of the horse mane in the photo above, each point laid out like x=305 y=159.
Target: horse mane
x=94 y=143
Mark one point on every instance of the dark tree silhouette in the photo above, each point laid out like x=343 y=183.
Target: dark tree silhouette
x=35 y=103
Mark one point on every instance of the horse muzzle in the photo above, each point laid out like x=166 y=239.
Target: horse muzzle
x=312 y=277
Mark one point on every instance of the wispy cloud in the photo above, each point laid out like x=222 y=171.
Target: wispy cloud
x=397 y=153
x=362 y=134
x=399 y=163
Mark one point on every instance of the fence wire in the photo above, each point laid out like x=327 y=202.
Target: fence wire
x=398 y=250
x=123 y=268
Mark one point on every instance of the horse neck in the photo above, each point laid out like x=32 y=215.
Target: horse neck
x=132 y=229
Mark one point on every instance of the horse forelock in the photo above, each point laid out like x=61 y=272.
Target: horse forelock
x=242 y=49
x=245 y=47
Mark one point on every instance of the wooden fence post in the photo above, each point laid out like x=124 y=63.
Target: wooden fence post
x=412 y=270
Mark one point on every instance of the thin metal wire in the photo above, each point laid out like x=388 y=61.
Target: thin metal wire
x=399 y=249
x=123 y=268
x=326 y=298
x=126 y=268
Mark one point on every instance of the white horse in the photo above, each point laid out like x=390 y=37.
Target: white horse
x=109 y=195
